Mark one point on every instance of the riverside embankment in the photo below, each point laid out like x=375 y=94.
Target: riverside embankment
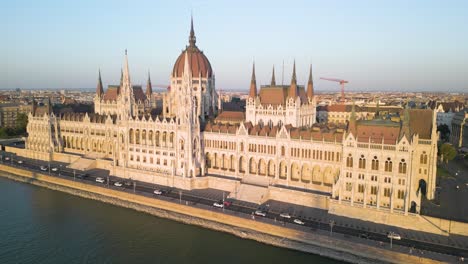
x=239 y=226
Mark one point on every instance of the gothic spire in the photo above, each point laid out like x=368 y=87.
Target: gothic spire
x=352 y=120
x=310 y=85
x=126 y=72
x=149 y=87
x=253 y=84
x=293 y=88
x=273 y=81
x=192 y=38
x=99 y=88
x=121 y=81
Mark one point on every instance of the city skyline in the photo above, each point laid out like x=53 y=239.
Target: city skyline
x=377 y=47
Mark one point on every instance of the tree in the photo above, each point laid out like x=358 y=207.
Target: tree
x=21 y=123
x=448 y=152
x=444 y=132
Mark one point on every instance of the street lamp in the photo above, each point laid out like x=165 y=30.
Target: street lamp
x=60 y=169
x=332 y=223
x=390 y=235
x=180 y=197
x=74 y=175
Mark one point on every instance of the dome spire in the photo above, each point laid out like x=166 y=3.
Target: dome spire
x=253 y=84
x=192 y=38
x=273 y=81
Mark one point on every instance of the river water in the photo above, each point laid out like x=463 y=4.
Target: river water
x=39 y=225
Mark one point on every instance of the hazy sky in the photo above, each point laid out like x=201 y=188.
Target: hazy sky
x=376 y=45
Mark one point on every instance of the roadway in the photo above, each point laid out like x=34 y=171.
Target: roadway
x=205 y=199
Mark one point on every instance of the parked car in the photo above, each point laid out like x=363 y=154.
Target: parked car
x=118 y=184
x=285 y=215
x=260 y=213
x=364 y=235
x=20 y=162
x=44 y=168
x=158 y=192
x=393 y=235
x=7 y=158
x=128 y=183
x=54 y=169
x=101 y=180
x=298 y=221
x=227 y=203
x=218 y=204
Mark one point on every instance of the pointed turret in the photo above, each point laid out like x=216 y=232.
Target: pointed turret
x=192 y=38
x=352 y=120
x=273 y=81
x=310 y=85
x=253 y=84
x=99 y=88
x=49 y=106
x=126 y=72
x=293 y=88
x=121 y=81
x=405 y=130
x=149 y=87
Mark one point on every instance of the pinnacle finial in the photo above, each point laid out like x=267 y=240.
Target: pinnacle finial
x=310 y=84
x=253 y=83
x=273 y=81
x=294 y=72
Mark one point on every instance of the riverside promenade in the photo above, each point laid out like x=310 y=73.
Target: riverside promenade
x=264 y=230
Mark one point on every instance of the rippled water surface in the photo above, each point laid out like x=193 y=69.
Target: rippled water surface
x=38 y=225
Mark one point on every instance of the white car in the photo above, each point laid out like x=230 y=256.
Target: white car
x=218 y=204
x=54 y=169
x=394 y=236
x=44 y=168
x=157 y=192
x=20 y=162
x=298 y=221
x=118 y=184
x=285 y=215
x=99 y=179
x=260 y=213
x=7 y=158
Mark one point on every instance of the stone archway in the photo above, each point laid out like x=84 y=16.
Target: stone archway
x=422 y=187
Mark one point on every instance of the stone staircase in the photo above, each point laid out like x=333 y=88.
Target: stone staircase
x=251 y=193
x=83 y=164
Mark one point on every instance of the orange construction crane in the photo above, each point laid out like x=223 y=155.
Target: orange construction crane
x=342 y=83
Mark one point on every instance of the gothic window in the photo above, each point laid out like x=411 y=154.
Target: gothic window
x=375 y=163
x=402 y=166
x=349 y=161
x=361 y=188
x=388 y=165
x=374 y=190
x=401 y=194
x=423 y=158
x=387 y=192
x=349 y=186
x=362 y=162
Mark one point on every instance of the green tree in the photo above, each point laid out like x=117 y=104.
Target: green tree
x=444 y=132
x=448 y=152
x=21 y=123
x=3 y=132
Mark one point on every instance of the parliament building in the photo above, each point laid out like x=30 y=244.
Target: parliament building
x=274 y=150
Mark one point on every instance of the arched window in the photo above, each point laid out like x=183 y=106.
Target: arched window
x=423 y=158
x=388 y=165
x=362 y=162
x=349 y=161
x=402 y=166
x=375 y=163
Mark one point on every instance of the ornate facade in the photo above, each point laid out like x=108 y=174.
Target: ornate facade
x=378 y=164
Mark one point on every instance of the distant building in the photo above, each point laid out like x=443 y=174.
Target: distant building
x=446 y=111
x=459 y=135
x=9 y=113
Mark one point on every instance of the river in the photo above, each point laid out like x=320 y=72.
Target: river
x=38 y=225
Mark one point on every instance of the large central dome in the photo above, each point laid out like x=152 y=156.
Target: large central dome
x=199 y=63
